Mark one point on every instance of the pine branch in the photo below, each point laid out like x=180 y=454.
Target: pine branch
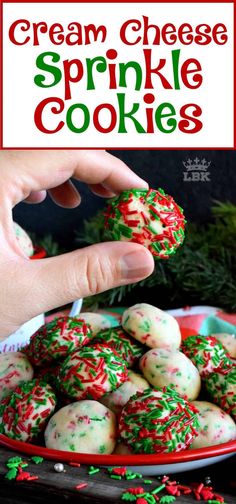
x=48 y=243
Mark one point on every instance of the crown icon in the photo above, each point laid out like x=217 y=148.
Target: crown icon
x=196 y=164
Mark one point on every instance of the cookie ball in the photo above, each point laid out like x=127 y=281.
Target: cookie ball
x=149 y=217
x=116 y=400
x=151 y=326
x=82 y=427
x=216 y=426
x=56 y=339
x=221 y=387
x=26 y=411
x=164 y=368
x=126 y=346
x=96 y=321
x=14 y=369
x=206 y=353
x=158 y=421
x=228 y=341
x=92 y=372
x=23 y=239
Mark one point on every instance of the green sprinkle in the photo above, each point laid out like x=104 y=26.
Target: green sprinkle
x=128 y=497
x=11 y=474
x=93 y=470
x=147 y=482
x=14 y=462
x=115 y=476
x=130 y=476
x=167 y=499
x=214 y=502
x=158 y=489
x=37 y=460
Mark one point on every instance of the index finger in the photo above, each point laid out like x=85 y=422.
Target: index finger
x=27 y=171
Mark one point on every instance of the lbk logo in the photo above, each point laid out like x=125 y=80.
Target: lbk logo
x=196 y=170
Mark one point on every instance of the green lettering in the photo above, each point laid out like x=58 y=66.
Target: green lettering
x=101 y=67
x=53 y=70
x=123 y=115
x=159 y=115
x=138 y=70
x=86 y=122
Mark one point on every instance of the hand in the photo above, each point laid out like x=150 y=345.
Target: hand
x=29 y=288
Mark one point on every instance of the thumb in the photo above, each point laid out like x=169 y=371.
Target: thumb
x=61 y=280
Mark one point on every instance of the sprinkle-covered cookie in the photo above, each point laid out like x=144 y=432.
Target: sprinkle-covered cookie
x=57 y=339
x=215 y=426
x=158 y=421
x=14 y=369
x=82 y=427
x=92 y=372
x=151 y=326
x=126 y=346
x=149 y=217
x=25 y=412
x=228 y=341
x=206 y=353
x=221 y=386
x=163 y=368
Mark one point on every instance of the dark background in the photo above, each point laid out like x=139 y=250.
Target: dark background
x=161 y=169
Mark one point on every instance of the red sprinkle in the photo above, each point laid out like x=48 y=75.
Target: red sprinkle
x=80 y=486
x=197 y=495
x=26 y=476
x=74 y=464
x=164 y=479
x=135 y=491
x=120 y=471
x=199 y=488
x=172 y=489
x=206 y=494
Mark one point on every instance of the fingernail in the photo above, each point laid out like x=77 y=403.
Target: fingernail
x=137 y=265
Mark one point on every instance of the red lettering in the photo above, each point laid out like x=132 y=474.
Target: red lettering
x=185 y=29
x=97 y=122
x=55 y=110
x=202 y=37
x=186 y=120
x=136 y=25
x=220 y=29
x=56 y=34
x=156 y=71
x=196 y=78
x=24 y=26
x=169 y=29
x=78 y=74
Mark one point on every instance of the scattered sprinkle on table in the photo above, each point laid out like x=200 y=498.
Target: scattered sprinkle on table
x=37 y=460
x=93 y=470
x=80 y=486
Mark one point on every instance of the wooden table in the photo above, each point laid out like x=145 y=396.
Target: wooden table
x=59 y=487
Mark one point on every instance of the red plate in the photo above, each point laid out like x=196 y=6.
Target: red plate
x=144 y=460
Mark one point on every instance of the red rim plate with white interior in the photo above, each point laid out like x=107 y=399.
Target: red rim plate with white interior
x=126 y=460
x=144 y=460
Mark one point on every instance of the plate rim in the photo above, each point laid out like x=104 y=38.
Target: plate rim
x=123 y=460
